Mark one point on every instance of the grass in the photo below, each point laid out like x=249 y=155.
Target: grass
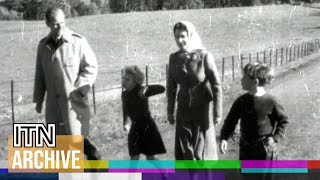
x=146 y=38
x=112 y=141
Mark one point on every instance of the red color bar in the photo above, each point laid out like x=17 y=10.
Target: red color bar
x=313 y=164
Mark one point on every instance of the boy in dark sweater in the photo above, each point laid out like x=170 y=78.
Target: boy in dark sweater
x=263 y=120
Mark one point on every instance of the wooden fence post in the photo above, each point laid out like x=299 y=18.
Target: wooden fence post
x=290 y=53
x=305 y=49
x=281 y=56
x=298 y=52
x=167 y=72
x=276 y=57
x=294 y=53
x=286 y=54
x=270 y=57
x=257 y=56
x=241 y=61
x=12 y=101
x=121 y=80
x=94 y=99
x=232 y=67
x=147 y=75
x=249 y=57
x=223 y=61
x=264 y=56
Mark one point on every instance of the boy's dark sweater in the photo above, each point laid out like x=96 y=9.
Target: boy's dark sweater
x=258 y=117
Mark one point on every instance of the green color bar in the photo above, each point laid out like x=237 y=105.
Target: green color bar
x=208 y=164
x=96 y=164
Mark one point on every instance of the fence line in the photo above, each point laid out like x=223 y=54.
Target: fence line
x=283 y=54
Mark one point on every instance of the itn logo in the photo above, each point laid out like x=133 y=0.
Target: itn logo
x=29 y=130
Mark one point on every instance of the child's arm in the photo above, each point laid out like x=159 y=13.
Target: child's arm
x=278 y=115
x=171 y=91
x=152 y=90
x=126 y=125
x=213 y=77
x=231 y=121
x=229 y=125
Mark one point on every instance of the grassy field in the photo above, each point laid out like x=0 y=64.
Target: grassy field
x=146 y=38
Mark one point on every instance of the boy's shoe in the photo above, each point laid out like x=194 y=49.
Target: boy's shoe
x=91 y=151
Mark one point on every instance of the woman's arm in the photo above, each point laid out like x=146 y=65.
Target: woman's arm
x=171 y=90
x=124 y=112
x=213 y=77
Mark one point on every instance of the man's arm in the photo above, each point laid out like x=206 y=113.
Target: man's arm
x=88 y=68
x=39 y=88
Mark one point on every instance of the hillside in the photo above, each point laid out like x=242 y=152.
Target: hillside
x=146 y=37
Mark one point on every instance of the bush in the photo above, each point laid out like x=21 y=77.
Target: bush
x=93 y=9
x=105 y=9
x=35 y=10
x=84 y=9
x=74 y=12
x=5 y=14
x=118 y=5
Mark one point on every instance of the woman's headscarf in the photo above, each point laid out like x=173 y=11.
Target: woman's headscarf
x=195 y=41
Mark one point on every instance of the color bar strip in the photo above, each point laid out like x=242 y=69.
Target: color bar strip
x=274 y=164
x=314 y=164
x=96 y=164
x=148 y=170
x=214 y=164
x=184 y=176
x=274 y=170
x=142 y=164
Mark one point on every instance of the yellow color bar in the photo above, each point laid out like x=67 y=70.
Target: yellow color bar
x=96 y=164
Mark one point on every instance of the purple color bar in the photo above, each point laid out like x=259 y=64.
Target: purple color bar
x=184 y=176
x=143 y=170
x=274 y=164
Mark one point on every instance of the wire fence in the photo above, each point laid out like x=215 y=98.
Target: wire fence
x=16 y=99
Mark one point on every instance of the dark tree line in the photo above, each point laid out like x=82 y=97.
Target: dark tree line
x=35 y=9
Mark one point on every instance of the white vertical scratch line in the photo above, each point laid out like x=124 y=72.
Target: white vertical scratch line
x=239 y=46
x=291 y=13
x=305 y=85
x=22 y=29
x=260 y=10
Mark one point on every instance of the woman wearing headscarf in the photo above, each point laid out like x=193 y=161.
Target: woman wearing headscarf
x=193 y=70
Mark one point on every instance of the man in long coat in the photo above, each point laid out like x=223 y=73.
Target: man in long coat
x=66 y=68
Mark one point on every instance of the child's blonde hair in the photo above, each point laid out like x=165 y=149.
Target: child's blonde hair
x=136 y=72
x=259 y=71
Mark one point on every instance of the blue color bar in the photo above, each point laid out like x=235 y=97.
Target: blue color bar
x=274 y=170
x=143 y=164
x=30 y=176
x=3 y=170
